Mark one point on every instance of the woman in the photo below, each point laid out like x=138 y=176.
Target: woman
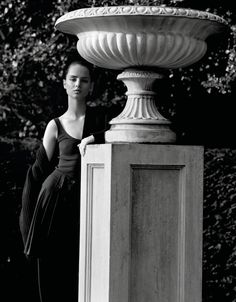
x=49 y=218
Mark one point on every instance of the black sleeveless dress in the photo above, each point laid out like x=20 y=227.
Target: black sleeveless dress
x=56 y=214
x=55 y=222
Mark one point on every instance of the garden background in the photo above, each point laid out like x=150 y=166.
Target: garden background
x=197 y=99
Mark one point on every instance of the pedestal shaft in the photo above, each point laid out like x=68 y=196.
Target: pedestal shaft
x=141 y=223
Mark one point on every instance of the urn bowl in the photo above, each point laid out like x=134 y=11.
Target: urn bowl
x=120 y=37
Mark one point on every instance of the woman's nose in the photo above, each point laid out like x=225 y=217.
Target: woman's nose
x=77 y=83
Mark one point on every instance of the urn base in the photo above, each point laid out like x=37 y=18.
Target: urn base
x=131 y=133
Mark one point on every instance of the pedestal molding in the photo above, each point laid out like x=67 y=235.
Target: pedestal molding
x=182 y=235
x=88 y=239
x=181 y=219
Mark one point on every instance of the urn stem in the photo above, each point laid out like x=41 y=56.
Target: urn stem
x=140 y=121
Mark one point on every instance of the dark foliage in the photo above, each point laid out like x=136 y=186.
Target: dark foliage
x=219 y=281
x=199 y=100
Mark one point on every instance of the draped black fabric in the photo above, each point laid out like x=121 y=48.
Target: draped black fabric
x=36 y=174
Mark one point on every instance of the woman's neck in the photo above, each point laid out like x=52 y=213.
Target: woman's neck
x=76 y=108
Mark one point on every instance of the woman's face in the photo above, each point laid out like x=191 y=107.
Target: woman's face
x=77 y=82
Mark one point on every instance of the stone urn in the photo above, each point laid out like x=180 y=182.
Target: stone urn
x=138 y=40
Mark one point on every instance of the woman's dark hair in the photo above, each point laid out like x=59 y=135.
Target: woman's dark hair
x=79 y=62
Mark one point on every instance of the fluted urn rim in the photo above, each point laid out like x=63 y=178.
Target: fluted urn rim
x=132 y=10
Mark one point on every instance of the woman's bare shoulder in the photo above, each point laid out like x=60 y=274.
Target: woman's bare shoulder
x=51 y=128
x=50 y=138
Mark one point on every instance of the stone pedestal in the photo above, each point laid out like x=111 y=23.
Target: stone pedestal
x=141 y=223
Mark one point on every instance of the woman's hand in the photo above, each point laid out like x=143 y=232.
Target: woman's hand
x=84 y=142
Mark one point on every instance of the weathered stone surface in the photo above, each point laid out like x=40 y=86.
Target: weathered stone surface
x=141 y=223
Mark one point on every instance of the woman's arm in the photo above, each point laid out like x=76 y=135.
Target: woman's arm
x=98 y=125
x=85 y=141
x=50 y=138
